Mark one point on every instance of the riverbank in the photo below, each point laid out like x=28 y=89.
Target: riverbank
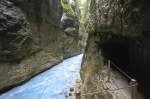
x=51 y=84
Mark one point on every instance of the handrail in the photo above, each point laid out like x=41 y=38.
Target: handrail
x=133 y=84
x=120 y=70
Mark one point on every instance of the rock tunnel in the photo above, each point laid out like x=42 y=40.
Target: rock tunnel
x=116 y=50
x=121 y=30
x=131 y=55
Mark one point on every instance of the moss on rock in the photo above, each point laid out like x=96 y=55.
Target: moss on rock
x=67 y=8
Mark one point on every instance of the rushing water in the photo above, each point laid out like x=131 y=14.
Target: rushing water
x=52 y=84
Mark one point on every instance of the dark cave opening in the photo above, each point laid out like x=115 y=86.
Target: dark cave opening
x=121 y=52
x=117 y=50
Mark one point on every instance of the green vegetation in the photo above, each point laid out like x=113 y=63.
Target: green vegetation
x=67 y=8
x=79 y=2
x=84 y=6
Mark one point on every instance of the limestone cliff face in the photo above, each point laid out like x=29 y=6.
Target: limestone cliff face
x=120 y=31
x=15 y=34
x=33 y=37
x=127 y=18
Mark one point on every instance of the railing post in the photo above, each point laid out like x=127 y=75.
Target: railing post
x=109 y=72
x=134 y=84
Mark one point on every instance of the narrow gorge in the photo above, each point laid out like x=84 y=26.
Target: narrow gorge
x=34 y=36
x=42 y=37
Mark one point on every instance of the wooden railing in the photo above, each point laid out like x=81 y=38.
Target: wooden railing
x=133 y=82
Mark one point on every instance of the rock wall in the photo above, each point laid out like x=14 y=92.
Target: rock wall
x=33 y=37
x=120 y=31
x=16 y=37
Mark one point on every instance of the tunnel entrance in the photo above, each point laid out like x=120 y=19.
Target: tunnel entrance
x=117 y=49
x=125 y=53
